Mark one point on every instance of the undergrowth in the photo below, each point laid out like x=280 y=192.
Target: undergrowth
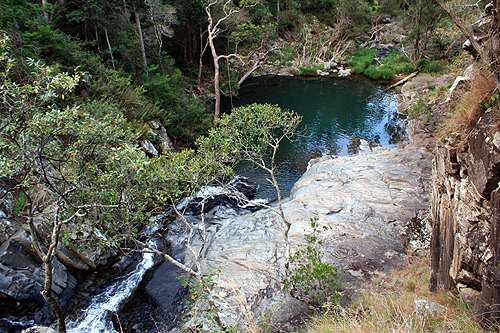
x=387 y=305
x=469 y=104
x=366 y=61
x=419 y=109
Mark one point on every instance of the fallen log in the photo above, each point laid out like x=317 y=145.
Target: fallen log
x=394 y=85
x=257 y=65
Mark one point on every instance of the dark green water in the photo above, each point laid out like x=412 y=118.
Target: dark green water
x=332 y=114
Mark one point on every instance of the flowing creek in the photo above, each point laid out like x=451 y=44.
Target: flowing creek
x=335 y=120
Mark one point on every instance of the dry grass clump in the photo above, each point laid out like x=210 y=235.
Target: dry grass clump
x=387 y=305
x=466 y=110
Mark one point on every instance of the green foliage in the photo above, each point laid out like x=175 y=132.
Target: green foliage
x=362 y=59
x=249 y=132
x=351 y=16
x=372 y=72
x=424 y=65
x=86 y=155
x=19 y=204
x=398 y=63
x=289 y=20
x=185 y=117
x=254 y=34
x=312 y=277
x=386 y=73
x=18 y=15
x=307 y=70
x=492 y=102
x=199 y=298
x=421 y=18
x=124 y=95
x=419 y=109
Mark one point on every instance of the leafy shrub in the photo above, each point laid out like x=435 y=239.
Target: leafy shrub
x=19 y=204
x=420 y=108
x=119 y=90
x=312 y=277
x=493 y=101
x=185 y=118
x=307 y=70
x=288 y=20
x=376 y=73
x=435 y=67
x=362 y=60
x=372 y=72
x=423 y=65
x=398 y=62
x=405 y=68
x=386 y=73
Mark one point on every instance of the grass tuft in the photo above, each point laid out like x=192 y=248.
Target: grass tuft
x=469 y=107
x=387 y=305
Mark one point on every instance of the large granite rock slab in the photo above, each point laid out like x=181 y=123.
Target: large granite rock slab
x=364 y=201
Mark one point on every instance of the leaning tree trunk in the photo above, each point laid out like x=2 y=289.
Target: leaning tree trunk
x=47 y=294
x=141 y=40
x=490 y=56
x=494 y=40
x=47 y=259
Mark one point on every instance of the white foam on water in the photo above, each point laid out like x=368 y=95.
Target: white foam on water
x=96 y=318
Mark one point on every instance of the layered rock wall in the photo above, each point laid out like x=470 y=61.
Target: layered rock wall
x=465 y=204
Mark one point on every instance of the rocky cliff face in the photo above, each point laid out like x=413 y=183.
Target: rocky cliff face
x=465 y=203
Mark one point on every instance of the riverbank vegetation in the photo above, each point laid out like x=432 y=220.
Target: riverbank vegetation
x=156 y=52
x=389 y=303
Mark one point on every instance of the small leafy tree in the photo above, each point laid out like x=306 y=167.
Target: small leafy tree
x=254 y=133
x=316 y=281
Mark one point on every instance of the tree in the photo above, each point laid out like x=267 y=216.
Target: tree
x=423 y=18
x=254 y=134
x=216 y=25
x=489 y=52
x=86 y=159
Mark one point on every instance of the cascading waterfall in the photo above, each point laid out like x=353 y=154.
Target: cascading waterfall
x=96 y=318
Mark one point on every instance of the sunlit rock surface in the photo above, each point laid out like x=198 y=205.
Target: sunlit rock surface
x=364 y=199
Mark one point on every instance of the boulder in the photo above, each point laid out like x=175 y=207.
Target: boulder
x=161 y=137
x=149 y=148
x=362 y=201
x=425 y=309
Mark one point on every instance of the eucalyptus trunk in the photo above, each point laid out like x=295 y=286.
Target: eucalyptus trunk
x=141 y=40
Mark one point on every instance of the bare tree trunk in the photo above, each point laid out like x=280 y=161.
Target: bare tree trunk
x=212 y=31
x=278 y=11
x=45 y=14
x=141 y=41
x=202 y=51
x=109 y=47
x=47 y=260
x=491 y=56
x=216 y=77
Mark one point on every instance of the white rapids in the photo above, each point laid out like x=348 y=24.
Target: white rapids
x=96 y=318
